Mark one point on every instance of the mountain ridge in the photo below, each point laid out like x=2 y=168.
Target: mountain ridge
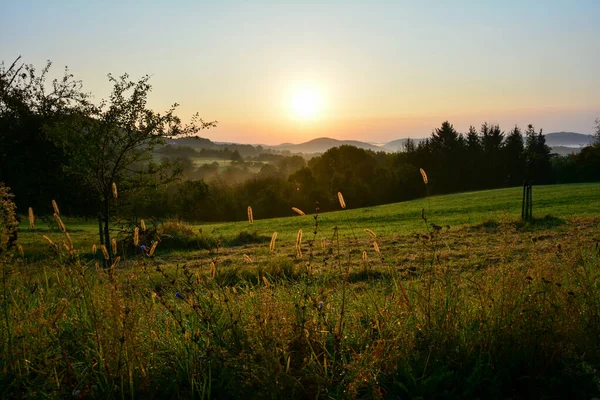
x=561 y=139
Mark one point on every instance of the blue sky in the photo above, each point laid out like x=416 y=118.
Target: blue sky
x=378 y=70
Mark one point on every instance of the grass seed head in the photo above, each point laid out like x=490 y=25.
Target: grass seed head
x=213 y=269
x=143 y=225
x=298 y=251
x=94 y=249
x=55 y=206
x=250 y=217
x=31 y=218
x=424 y=175
x=341 y=199
x=299 y=237
x=47 y=239
x=114 y=190
x=116 y=262
x=364 y=255
x=153 y=248
x=104 y=252
x=370 y=232
x=247 y=258
x=272 y=244
x=113 y=243
x=298 y=211
x=376 y=247
x=21 y=252
x=136 y=236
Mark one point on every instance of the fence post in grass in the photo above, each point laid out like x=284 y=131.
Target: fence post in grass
x=527 y=202
x=530 y=217
x=101 y=237
x=523 y=201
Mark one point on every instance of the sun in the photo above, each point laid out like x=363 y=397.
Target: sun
x=306 y=103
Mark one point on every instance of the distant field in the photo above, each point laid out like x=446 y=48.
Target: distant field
x=455 y=210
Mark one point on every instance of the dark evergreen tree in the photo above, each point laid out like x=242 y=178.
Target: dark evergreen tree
x=514 y=157
x=473 y=159
x=538 y=158
x=492 y=167
x=446 y=154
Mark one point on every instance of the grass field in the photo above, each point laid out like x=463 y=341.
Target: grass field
x=490 y=307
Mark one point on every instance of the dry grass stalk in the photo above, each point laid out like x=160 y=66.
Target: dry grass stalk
x=370 y=232
x=47 y=239
x=364 y=255
x=213 y=269
x=114 y=190
x=376 y=247
x=116 y=262
x=136 y=236
x=31 y=218
x=250 y=217
x=247 y=258
x=69 y=241
x=341 y=199
x=143 y=225
x=298 y=211
x=61 y=225
x=424 y=175
x=94 y=249
x=113 y=244
x=272 y=244
x=55 y=206
x=104 y=252
x=153 y=248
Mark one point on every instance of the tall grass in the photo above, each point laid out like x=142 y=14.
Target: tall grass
x=514 y=312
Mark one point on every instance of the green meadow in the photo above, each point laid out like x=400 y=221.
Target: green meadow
x=445 y=297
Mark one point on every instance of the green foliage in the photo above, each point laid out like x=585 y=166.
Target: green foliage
x=8 y=220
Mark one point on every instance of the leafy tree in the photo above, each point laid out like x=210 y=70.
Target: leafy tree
x=236 y=156
x=597 y=133
x=31 y=162
x=111 y=143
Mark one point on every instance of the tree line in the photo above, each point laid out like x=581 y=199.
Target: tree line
x=56 y=144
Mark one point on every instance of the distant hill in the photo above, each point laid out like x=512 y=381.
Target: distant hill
x=321 y=145
x=568 y=139
x=560 y=142
x=398 y=144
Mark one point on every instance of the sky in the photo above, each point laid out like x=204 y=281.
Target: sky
x=290 y=71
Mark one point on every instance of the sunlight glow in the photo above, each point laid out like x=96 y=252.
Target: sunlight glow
x=306 y=103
